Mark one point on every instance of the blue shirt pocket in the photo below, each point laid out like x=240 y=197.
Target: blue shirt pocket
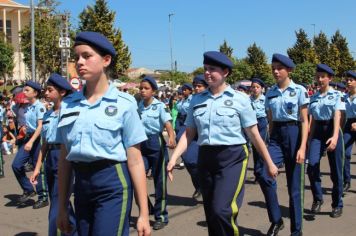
x=226 y=116
x=70 y=133
x=106 y=132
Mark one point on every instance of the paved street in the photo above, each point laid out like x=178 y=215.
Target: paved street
x=187 y=216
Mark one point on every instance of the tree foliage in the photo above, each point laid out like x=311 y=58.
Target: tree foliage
x=176 y=77
x=47 y=52
x=321 y=47
x=345 y=58
x=226 y=49
x=99 y=18
x=6 y=59
x=302 y=50
x=304 y=73
x=257 y=60
x=241 y=70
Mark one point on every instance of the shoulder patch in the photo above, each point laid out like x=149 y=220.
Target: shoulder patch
x=166 y=109
x=306 y=95
x=342 y=99
x=42 y=109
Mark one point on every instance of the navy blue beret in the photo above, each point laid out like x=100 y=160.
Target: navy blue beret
x=243 y=87
x=200 y=79
x=34 y=85
x=187 y=86
x=324 y=68
x=179 y=90
x=59 y=81
x=351 y=73
x=152 y=82
x=258 y=81
x=332 y=84
x=217 y=59
x=95 y=40
x=340 y=86
x=284 y=60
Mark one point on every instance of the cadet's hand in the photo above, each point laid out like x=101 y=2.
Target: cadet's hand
x=28 y=146
x=34 y=176
x=353 y=126
x=300 y=156
x=171 y=143
x=273 y=170
x=143 y=226
x=331 y=144
x=170 y=167
x=63 y=223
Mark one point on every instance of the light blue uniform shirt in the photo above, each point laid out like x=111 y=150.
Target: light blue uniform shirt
x=49 y=126
x=103 y=130
x=154 y=116
x=285 y=105
x=183 y=105
x=33 y=113
x=258 y=105
x=350 y=105
x=2 y=113
x=323 y=107
x=219 y=119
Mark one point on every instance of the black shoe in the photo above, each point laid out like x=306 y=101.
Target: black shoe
x=40 y=203
x=347 y=186
x=159 y=225
x=316 y=206
x=297 y=234
x=336 y=212
x=196 y=194
x=26 y=196
x=2 y=176
x=275 y=228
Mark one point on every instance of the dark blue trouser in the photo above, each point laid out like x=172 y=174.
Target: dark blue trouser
x=349 y=140
x=21 y=158
x=155 y=156
x=190 y=158
x=317 y=146
x=102 y=198
x=283 y=145
x=52 y=182
x=222 y=172
x=262 y=126
x=1 y=159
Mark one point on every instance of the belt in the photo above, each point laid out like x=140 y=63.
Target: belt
x=54 y=146
x=93 y=166
x=324 y=122
x=286 y=123
x=181 y=117
x=351 y=120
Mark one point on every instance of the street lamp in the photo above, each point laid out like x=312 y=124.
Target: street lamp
x=33 y=67
x=314 y=29
x=170 y=38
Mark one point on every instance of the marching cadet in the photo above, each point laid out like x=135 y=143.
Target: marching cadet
x=190 y=157
x=350 y=126
x=325 y=134
x=286 y=105
x=182 y=107
x=218 y=115
x=56 y=89
x=155 y=117
x=28 y=149
x=258 y=103
x=100 y=131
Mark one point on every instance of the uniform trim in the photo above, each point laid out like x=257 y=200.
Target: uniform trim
x=45 y=122
x=341 y=135
x=200 y=106
x=302 y=191
x=234 y=207
x=125 y=194
x=43 y=182
x=164 y=191
x=76 y=113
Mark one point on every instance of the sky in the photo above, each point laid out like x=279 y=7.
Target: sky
x=203 y=25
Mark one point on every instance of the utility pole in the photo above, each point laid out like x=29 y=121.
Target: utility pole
x=64 y=44
x=170 y=39
x=33 y=62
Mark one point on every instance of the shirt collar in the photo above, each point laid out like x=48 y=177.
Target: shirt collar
x=228 y=91
x=110 y=94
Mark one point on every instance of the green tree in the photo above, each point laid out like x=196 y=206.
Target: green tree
x=197 y=71
x=257 y=60
x=6 y=59
x=241 y=70
x=100 y=19
x=302 y=50
x=321 y=47
x=226 y=49
x=177 y=77
x=47 y=52
x=304 y=73
x=346 y=60
x=334 y=59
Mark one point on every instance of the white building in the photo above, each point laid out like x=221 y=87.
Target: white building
x=13 y=17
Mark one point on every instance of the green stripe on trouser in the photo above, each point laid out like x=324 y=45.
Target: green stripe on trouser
x=302 y=191
x=234 y=206
x=164 y=190
x=341 y=135
x=1 y=164
x=43 y=175
x=125 y=194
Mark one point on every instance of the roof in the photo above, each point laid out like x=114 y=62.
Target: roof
x=9 y=3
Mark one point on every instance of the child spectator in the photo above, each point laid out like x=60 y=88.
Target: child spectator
x=8 y=140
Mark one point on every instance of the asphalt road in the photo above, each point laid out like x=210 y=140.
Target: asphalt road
x=187 y=215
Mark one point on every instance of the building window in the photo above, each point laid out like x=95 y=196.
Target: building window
x=8 y=30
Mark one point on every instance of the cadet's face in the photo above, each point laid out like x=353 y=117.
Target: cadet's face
x=146 y=90
x=186 y=92
x=215 y=75
x=198 y=88
x=279 y=71
x=51 y=93
x=29 y=92
x=351 y=83
x=322 y=79
x=256 y=89
x=90 y=64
